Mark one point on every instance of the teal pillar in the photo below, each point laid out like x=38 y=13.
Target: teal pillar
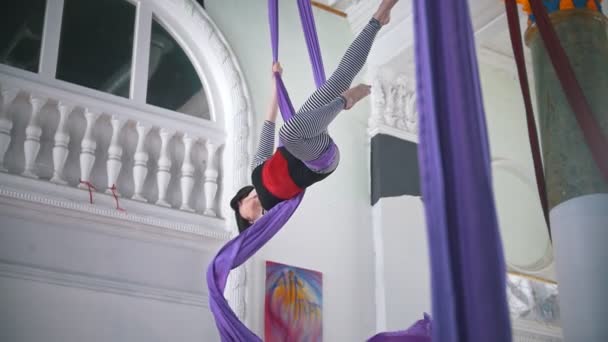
x=569 y=168
x=577 y=192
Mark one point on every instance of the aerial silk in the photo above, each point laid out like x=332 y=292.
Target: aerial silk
x=241 y=248
x=468 y=271
x=592 y=133
x=518 y=53
x=467 y=267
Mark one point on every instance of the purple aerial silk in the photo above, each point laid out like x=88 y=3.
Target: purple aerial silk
x=419 y=332
x=468 y=271
x=467 y=265
x=241 y=248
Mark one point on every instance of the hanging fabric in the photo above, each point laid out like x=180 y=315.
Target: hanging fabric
x=467 y=262
x=518 y=52
x=592 y=133
x=241 y=248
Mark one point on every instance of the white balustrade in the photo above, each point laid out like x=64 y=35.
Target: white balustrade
x=163 y=176
x=62 y=139
x=140 y=168
x=87 y=149
x=31 y=146
x=6 y=125
x=80 y=170
x=187 y=180
x=114 y=162
x=210 y=182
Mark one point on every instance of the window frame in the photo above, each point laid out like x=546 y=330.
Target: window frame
x=145 y=12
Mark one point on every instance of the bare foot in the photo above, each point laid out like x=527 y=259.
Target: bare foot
x=355 y=94
x=383 y=14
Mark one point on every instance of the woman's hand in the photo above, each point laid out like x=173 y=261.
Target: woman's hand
x=277 y=68
x=273 y=107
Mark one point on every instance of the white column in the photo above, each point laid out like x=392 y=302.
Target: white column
x=140 y=169
x=164 y=167
x=6 y=125
x=62 y=139
x=141 y=53
x=51 y=35
x=87 y=148
x=580 y=237
x=210 y=181
x=114 y=162
x=31 y=146
x=187 y=180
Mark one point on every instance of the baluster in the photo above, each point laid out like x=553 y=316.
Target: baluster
x=6 y=125
x=140 y=169
x=187 y=179
x=62 y=139
x=210 y=181
x=87 y=149
x=31 y=145
x=114 y=162
x=164 y=167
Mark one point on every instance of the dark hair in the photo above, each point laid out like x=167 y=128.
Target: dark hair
x=234 y=204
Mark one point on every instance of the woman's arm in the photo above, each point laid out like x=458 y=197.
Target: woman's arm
x=266 y=144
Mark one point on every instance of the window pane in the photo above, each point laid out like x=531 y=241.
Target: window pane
x=173 y=82
x=21 y=24
x=96 y=44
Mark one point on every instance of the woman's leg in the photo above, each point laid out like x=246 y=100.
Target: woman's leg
x=305 y=135
x=351 y=64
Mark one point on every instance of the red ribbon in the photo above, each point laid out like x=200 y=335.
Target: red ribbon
x=113 y=188
x=91 y=188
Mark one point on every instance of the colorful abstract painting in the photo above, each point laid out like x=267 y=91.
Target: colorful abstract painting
x=293 y=304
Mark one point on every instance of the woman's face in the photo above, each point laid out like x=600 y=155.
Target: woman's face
x=250 y=207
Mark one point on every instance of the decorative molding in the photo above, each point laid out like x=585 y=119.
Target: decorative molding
x=533 y=301
x=98 y=283
x=230 y=126
x=529 y=331
x=238 y=121
x=28 y=191
x=107 y=103
x=394 y=110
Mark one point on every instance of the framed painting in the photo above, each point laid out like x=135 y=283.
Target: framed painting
x=293 y=304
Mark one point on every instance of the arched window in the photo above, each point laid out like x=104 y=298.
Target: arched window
x=21 y=33
x=94 y=92
x=172 y=81
x=96 y=44
x=103 y=45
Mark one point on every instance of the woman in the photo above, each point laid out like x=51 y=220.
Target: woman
x=308 y=149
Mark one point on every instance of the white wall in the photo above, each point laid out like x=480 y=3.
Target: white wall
x=65 y=277
x=403 y=285
x=331 y=232
x=523 y=230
